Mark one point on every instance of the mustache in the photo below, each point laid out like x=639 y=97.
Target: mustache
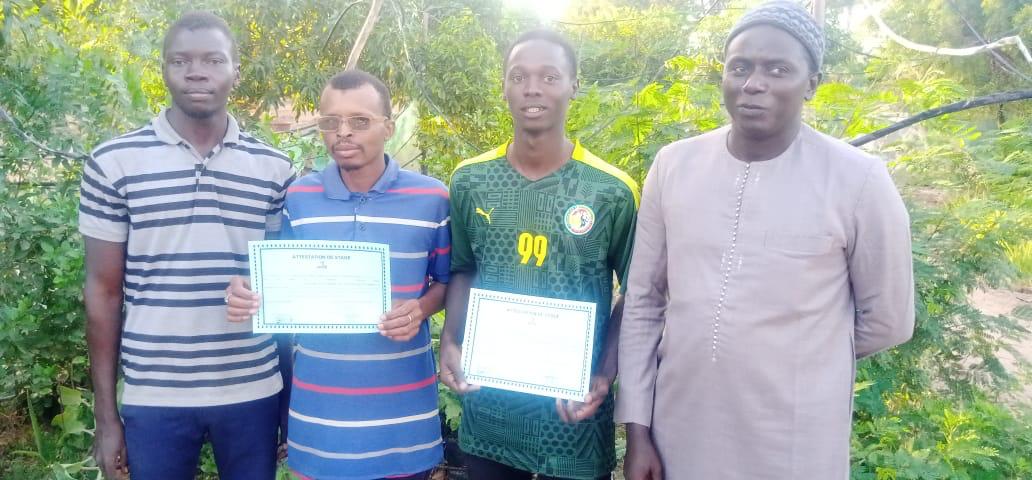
x=345 y=142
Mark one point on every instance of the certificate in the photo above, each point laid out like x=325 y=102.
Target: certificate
x=535 y=345
x=316 y=286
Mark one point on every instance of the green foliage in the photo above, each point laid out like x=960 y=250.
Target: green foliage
x=63 y=453
x=922 y=438
x=1020 y=254
x=306 y=151
x=450 y=405
x=628 y=130
x=846 y=111
x=208 y=470
x=460 y=83
x=41 y=271
x=931 y=409
x=619 y=52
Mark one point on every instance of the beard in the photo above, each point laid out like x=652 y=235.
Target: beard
x=197 y=112
x=357 y=161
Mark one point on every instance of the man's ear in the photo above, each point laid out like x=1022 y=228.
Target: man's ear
x=812 y=83
x=576 y=88
x=236 y=74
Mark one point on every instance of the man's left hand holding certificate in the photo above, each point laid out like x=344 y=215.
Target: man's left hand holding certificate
x=309 y=286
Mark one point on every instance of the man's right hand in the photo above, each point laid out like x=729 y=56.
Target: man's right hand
x=109 y=451
x=451 y=368
x=642 y=460
x=241 y=302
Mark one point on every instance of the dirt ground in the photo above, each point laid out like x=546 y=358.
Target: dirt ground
x=1003 y=302
x=12 y=429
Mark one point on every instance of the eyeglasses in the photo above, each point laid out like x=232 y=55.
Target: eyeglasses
x=355 y=123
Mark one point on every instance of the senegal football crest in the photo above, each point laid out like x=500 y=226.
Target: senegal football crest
x=579 y=219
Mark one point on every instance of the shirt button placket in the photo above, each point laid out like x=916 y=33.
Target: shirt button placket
x=361 y=226
x=726 y=266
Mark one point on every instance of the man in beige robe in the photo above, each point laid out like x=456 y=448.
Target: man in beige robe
x=768 y=258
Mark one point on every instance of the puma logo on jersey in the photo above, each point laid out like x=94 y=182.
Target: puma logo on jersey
x=486 y=215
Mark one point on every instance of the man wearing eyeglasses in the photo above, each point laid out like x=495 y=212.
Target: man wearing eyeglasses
x=364 y=406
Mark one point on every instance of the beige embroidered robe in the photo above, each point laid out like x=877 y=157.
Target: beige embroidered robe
x=753 y=289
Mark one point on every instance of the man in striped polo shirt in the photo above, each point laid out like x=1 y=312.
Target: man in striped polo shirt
x=166 y=213
x=364 y=406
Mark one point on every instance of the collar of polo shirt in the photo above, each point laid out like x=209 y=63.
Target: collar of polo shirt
x=335 y=188
x=164 y=131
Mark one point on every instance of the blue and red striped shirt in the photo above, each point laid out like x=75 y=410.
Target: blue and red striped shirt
x=364 y=406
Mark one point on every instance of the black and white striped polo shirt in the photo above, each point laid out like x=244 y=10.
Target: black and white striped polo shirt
x=186 y=220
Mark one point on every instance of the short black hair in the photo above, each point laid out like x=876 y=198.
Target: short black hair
x=200 y=20
x=549 y=36
x=350 y=79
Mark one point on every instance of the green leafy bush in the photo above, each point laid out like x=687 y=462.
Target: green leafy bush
x=42 y=341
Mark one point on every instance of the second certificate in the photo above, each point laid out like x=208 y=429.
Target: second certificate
x=320 y=286
x=536 y=345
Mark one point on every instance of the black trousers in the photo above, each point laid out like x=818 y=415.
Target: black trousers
x=480 y=468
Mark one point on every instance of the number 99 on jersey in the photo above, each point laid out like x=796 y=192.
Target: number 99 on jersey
x=530 y=245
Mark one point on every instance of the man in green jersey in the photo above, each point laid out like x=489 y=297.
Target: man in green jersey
x=539 y=216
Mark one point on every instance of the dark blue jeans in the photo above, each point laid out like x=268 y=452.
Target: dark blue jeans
x=164 y=443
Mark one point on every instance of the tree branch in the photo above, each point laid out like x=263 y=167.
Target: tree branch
x=363 y=35
x=416 y=78
x=1002 y=97
x=36 y=143
x=337 y=22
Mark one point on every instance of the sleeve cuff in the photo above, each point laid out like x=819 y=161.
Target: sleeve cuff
x=106 y=235
x=632 y=411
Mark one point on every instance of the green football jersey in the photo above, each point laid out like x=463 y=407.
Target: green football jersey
x=562 y=236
